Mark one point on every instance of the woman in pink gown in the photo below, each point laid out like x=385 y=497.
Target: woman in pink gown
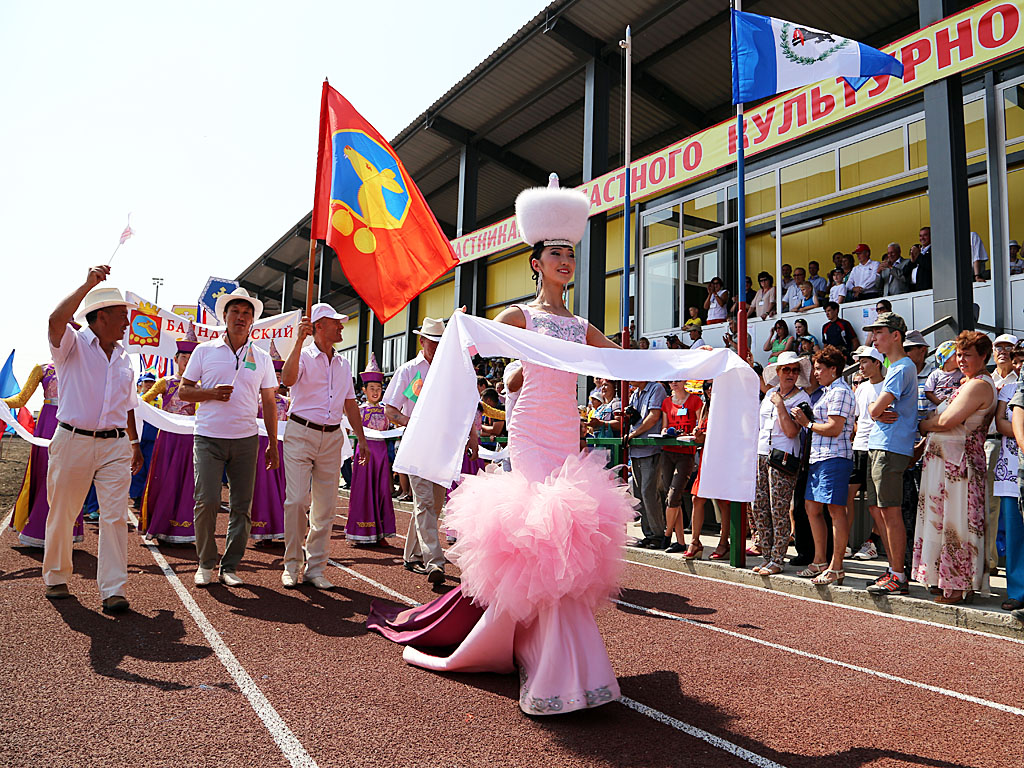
x=540 y=547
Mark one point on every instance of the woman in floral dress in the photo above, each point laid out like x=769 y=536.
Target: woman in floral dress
x=949 y=541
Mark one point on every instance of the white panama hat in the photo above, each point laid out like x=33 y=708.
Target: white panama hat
x=322 y=310
x=100 y=298
x=771 y=374
x=551 y=215
x=238 y=293
x=431 y=329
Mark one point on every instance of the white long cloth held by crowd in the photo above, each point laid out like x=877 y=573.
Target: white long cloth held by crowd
x=434 y=440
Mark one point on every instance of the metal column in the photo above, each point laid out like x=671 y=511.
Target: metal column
x=998 y=250
x=952 y=271
x=286 y=291
x=412 y=322
x=364 y=321
x=591 y=259
x=470 y=290
x=376 y=338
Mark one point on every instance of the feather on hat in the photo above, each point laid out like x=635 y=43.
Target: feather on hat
x=551 y=215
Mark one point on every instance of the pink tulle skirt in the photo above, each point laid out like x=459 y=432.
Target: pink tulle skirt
x=537 y=559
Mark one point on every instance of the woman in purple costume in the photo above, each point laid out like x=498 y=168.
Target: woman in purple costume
x=540 y=547
x=371 y=514
x=31 y=507
x=168 y=504
x=268 y=492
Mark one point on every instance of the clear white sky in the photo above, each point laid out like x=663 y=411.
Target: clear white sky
x=199 y=118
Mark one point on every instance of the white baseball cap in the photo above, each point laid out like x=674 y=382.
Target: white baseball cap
x=1006 y=338
x=871 y=352
x=322 y=310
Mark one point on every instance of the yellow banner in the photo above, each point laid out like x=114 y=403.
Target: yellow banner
x=967 y=40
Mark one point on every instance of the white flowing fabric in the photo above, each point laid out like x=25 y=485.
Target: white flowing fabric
x=434 y=440
x=8 y=418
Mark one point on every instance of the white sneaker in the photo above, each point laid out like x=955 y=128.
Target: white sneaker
x=290 y=580
x=317 y=581
x=203 y=577
x=230 y=579
x=868 y=551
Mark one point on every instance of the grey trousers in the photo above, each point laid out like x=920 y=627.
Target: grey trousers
x=646 y=470
x=421 y=543
x=212 y=457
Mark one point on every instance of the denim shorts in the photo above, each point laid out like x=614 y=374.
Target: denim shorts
x=828 y=481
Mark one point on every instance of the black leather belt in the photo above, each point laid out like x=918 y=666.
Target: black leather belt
x=101 y=433
x=311 y=425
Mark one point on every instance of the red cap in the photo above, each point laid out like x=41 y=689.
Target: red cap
x=861 y=247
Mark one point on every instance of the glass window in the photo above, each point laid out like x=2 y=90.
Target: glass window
x=704 y=212
x=874 y=158
x=809 y=179
x=918 y=144
x=661 y=227
x=760 y=197
x=1013 y=111
x=974 y=125
x=661 y=290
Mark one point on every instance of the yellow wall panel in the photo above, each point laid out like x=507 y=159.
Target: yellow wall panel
x=509 y=279
x=437 y=302
x=396 y=324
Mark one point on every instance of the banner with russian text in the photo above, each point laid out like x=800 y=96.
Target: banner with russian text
x=964 y=41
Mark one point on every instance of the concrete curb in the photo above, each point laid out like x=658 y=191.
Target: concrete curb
x=980 y=620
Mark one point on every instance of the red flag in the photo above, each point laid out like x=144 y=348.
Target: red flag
x=372 y=214
x=26 y=420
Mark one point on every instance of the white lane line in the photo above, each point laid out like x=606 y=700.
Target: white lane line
x=288 y=743
x=826 y=660
x=715 y=741
x=710 y=738
x=879 y=614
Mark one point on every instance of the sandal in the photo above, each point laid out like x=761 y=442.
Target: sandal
x=772 y=569
x=693 y=554
x=754 y=552
x=828 y=577
x=760 y=566
x=1012 y=604
x=812 y=570
x=719 y=554
x=965 y=598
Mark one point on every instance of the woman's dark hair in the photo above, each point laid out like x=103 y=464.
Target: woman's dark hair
x=781 y=324
x=977 y=341
x=482 y=382
x=490 y=396
x=764 y=276
x=538 y=249
x=800 y=320
x=831 y=357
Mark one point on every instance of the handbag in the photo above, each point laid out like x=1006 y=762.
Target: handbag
x=778 y=459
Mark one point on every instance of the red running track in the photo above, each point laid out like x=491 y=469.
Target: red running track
x=713 y=674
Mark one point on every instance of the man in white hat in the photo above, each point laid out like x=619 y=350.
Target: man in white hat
x=422 y=547
x=235 y=376
x=321 y=390
x=95 y=412
x=1004 y=373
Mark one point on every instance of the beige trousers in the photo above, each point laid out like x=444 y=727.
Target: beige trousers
x=75 y=463
x=312 y=466
x=421 y=543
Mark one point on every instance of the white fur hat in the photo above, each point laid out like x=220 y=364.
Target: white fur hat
x=551 y=215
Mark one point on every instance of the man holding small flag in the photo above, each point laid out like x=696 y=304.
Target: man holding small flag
x=423 y=552
x=234 y=375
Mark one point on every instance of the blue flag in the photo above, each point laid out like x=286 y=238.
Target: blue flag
x=8 y=384
x=770 y=56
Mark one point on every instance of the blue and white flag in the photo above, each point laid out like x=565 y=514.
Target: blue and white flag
x=770 y=56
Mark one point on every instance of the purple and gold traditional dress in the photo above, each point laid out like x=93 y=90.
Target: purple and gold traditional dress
x=31 y=507
x=169 y=504
x=268 y=492
x=371 y=515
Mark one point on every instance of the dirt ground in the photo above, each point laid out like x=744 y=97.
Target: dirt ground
x=13 y=457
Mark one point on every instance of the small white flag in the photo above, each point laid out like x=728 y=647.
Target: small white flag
x=128 y=231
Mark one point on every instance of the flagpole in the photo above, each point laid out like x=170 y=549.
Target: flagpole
x=627 y=239
x=311 y=265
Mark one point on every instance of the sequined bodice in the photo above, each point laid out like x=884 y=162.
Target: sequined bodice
x=373 y=416
x=49 y=382
x=558 y=327
x=170 y=401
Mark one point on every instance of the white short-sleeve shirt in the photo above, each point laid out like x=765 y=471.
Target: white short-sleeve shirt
x=403 y=391
x=770 y=434
x=95 y=392
x=865 y=394
x=323 y=386
x=215 y=364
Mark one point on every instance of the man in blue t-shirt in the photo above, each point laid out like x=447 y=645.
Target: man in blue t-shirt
x=891 y=448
